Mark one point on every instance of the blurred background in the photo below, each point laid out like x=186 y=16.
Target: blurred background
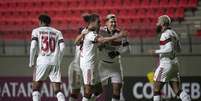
x=19 y=17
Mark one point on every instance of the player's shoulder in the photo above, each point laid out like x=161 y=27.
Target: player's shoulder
x=91 y=33
x=55 y=30
x=166 y=33
x=83 y=29
x=36 y=29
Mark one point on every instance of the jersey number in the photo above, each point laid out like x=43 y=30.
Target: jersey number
x=48 y=44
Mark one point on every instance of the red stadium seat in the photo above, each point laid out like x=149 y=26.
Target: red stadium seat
x=117 y=3
x=192 y=3
x=164 y=3
x=159 y=12
x=145 y=4
x=127 y=3
x=183 y=3
x=170 y=12
x=179 y=14
x=151 y=13
x=154 y=4
x=141 y=13
x=138 y=16
x=172 y=3
x=136 y=3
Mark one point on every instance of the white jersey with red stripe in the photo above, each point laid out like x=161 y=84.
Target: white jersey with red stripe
x=169 y=45
x=88 y=49
x=168 y=69
x=48 y=40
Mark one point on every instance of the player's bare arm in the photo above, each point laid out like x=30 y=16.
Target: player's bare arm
x=79 y=38
x=32 y=53
x=101 y=39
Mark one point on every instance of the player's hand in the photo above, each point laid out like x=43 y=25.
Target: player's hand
x=31 y=65
x=151 y=51
x=85 y=31
x=124 y=33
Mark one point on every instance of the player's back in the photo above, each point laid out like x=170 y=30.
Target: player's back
x=88 y=48
x=48 y=44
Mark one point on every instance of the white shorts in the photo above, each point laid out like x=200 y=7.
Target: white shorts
x=74 y=76
x=41 y=73
x=110 y=70
x=167 y=71
x=89 y=73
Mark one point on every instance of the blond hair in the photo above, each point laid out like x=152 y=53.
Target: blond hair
x=164 y=20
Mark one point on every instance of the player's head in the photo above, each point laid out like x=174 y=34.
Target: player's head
x=93 y=21
x=164 y=21
x=44 y=19
x=111 y=22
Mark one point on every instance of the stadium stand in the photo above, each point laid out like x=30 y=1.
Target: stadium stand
x=19 y=17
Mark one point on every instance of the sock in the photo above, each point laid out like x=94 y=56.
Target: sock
x=36 y=96
x=71 y=99
x=122 y=96
x=93 y=98
x=184 y=96
x=60 y=96
x=113 y=99
x=157 y=98
x=85 y=99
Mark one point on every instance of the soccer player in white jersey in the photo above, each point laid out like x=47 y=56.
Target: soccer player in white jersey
x=167 y=71
x=49 y=44
x=110 y=66
x=75 y=75
x=88 y=56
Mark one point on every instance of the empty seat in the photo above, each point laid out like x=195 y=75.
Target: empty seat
x=173 y=3
x=192 y=3
x=170 y=12
x=183 y=3
x=145 y=3
x=135 y=3
x=179 y=14
x=164 y=3
x=154 y=4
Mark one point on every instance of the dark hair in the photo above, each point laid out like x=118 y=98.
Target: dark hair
x=45 y=19
x=90 y=17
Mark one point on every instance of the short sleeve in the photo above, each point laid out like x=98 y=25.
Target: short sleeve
x=34 y=35
x=60 y=37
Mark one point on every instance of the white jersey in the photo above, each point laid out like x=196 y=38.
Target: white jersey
x=168 y=69
x=169 y=45
x=48 y=40
x=88 y=49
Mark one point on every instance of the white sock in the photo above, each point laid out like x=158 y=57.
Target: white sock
x=60 y=96
x=184 y=96
x=71 y=99
x=157 y=98
x=122 y=97
x=113 y=99
x=36 y=96
x=85 y=99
